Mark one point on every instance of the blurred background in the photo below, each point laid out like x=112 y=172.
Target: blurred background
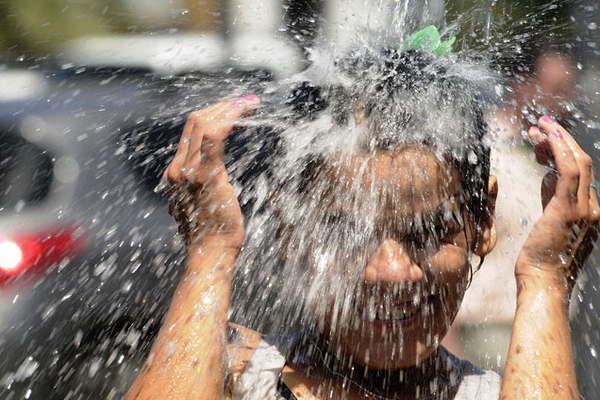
x=93 y=95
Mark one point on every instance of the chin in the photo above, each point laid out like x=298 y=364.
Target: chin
x=378 y=344
x=390 y=352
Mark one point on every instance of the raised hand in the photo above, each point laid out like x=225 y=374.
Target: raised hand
x=201 y=198
x=563 y=237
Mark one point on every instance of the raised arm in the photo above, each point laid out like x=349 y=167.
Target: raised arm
x=187 y=358
x=540 y=360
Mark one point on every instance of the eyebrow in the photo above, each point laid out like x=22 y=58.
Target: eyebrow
x=413 y=225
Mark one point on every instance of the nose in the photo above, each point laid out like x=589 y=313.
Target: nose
x=391 y=264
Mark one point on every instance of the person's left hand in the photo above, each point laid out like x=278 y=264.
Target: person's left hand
x=564 y=236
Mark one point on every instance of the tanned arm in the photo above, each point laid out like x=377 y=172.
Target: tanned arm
x=188 y=357
x=540 y=359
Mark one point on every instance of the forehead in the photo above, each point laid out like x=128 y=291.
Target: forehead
x=403 y=182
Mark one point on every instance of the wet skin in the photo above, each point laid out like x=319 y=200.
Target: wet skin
x=539 y=363
x=422 y=275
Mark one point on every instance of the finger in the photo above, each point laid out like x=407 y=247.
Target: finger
x=583 y=161
x=550 y=124
x=184 y=141
x=204 y=163
x=173 y=171
x=541 y=147
x=543 y=154
x=214 y=124
x=536 y=135
x=548 y=187
x=229 y=116
x=201 y=120
x=594 y=206
x=568 y=183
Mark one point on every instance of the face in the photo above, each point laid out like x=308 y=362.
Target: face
x=391 y=252
x=553 y=86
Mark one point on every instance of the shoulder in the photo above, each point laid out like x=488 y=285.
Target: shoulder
x=477 y=383
x=469 y=381
x=242 y=343
x=254 y=364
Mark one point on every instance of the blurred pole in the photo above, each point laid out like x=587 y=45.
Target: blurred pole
x=256 y=36
x=303 y=21
x=255 y=16
x=347 y=20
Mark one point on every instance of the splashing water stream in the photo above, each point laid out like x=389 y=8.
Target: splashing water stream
x=376 y=152
x=306 y=169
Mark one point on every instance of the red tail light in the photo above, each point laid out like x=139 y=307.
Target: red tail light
x=37 y=251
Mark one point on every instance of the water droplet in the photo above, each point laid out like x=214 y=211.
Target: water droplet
x=597 y=145
x=592 y=26
x=593 y=352
x=563 y=259
x=524 y=222
x=472 y=158
x=94 y=367
x=26 y=369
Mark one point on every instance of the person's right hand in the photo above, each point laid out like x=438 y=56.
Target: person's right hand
x=201 y=198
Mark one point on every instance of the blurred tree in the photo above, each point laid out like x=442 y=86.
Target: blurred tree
x=39 y=27
x=34 y=27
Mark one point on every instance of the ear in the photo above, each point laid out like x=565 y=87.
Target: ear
x=487 y=240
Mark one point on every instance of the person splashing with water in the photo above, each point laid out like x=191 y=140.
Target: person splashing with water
x=374 y=230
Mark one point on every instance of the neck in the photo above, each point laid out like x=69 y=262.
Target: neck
x=406 y=382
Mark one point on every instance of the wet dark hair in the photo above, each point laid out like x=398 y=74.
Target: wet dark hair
x=407 y=97
x=396 y=74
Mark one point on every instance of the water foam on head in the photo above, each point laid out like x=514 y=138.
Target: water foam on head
x=368 y=100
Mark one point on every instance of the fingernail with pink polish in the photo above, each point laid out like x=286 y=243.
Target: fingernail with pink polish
x=558 y=133
x=237 y=101
x=250 y=97
x=548 y=119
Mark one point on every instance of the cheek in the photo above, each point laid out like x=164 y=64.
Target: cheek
x=449 y=267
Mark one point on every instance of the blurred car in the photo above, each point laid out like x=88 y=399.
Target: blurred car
x=88 y=253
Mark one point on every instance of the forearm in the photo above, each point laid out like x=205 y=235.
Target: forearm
x=187 y=358
x=540 y=360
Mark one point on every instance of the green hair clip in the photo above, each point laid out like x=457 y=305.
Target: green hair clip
x=429 y=39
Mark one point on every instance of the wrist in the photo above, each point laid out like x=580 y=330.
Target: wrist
x=213 y=243
x=214 y=253
x=548 y=279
